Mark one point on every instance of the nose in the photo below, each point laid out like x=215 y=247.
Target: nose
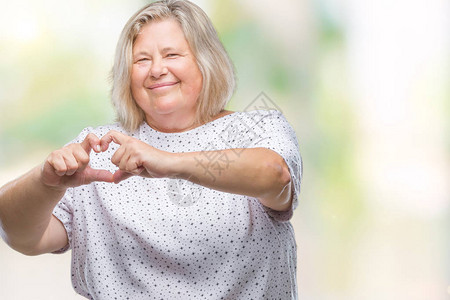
x=158 y=68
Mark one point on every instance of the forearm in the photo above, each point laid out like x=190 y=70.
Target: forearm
x=255 y=172
x=26 y=206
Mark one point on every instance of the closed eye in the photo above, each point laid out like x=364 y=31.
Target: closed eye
x=172 y=55
x=141 y=60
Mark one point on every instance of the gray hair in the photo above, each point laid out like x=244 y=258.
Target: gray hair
x=212 y=59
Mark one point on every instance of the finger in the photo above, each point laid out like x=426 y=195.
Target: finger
x=98 y=175
x=91 y=141
x=71 y=164
x=82 y=158
x=58 y=164
x=117 y=156
x=134 y=167
x=120 y=175
x=124 y=162
x=112 y=136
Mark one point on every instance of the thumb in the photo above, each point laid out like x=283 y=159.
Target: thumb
x=98 y=175
x=121 y=175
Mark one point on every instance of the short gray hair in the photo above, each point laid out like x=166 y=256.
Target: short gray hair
x=212 y=59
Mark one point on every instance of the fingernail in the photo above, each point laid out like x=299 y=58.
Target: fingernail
x=98 y=148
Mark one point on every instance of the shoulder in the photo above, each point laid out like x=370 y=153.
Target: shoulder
x=255 y=115
x=222 y=114
x=267 y=123
x=262 y=117
x=255 y=124
x=266 y=113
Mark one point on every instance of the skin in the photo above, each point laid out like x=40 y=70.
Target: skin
x=166 y=85
x=165 y=79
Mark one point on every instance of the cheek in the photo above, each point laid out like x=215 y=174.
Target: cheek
x=197 y=83
x=137 y=80
x=187 y=72
x=192 y=87
x=133 y=86
x=193 y=78
x=197 y=74
x=138 y=74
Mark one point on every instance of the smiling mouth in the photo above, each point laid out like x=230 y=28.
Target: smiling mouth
x=162 y=84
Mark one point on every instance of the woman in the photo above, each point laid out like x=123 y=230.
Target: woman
x=180 y=198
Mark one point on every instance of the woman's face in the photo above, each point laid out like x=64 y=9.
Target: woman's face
x=165 y=78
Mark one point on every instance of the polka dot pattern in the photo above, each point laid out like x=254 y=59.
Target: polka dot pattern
x=160 y=238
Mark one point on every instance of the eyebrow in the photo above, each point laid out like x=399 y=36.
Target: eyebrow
x=164 y=50
x=140 y=53
x=167 y=49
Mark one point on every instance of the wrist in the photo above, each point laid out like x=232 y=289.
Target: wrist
x=176 y=166
x=38 y=178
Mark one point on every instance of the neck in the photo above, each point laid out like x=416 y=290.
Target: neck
x=171 y=122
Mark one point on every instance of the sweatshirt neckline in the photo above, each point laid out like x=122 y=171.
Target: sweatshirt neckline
x=189 y=131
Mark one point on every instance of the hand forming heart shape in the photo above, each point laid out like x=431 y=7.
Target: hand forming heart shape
x=69 y=166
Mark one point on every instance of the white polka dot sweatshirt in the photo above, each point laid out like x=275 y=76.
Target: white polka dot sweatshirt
x=161 y=238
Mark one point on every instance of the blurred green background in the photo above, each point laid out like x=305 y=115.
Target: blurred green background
x=365 y=85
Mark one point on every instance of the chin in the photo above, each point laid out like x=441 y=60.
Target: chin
x=166 y=106
x=164 y=110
